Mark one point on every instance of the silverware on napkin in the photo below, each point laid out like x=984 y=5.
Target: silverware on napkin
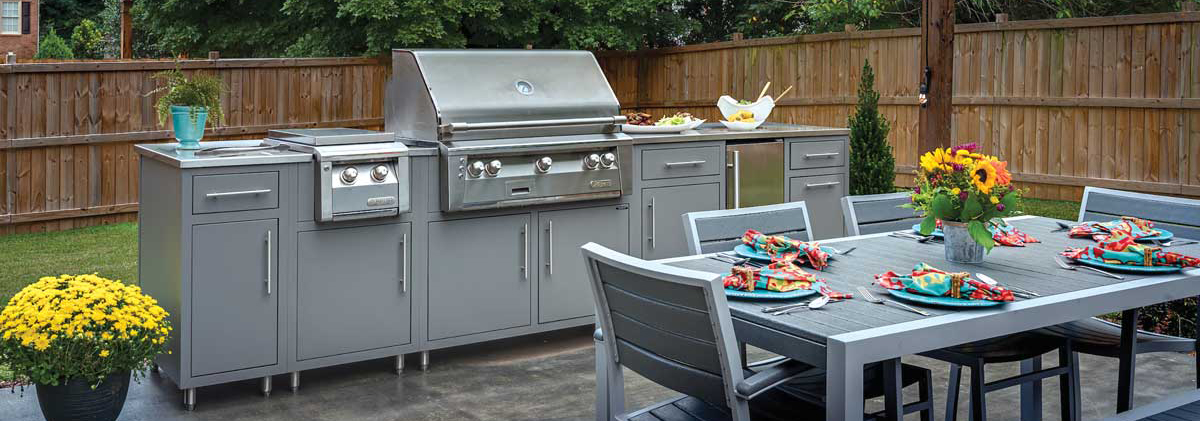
x=1072 y=266
x=1023 y=293
x=866 y=294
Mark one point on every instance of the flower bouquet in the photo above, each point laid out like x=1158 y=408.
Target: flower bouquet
x=78 y=338
x=964 y=190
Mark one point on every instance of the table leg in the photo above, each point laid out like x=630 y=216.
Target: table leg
x=1127 y=358
x=893 y=390
x=844 y=384
x=1031 y=393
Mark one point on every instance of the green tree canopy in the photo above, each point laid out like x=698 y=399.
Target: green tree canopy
x=53 y=46
x=87 y=40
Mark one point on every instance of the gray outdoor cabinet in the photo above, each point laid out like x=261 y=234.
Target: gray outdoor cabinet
x=818 y=173
x=563 y=291
x=669 y=180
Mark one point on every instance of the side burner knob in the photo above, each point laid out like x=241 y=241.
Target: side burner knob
x=592 y=161
x=543 y=164
x=608 y=159
x=475 y=169
x=493 y=168
x=379 y=173
x=349 y=175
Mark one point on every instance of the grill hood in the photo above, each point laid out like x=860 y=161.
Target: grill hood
x=465 y=95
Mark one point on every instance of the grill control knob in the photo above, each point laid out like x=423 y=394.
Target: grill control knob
x=608 y=159
x=349 y=175
x=379 y=173
x=543 y=165
x=590 y=162
x=475 y=169
x=493 y=168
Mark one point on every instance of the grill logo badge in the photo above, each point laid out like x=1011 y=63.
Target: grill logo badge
x=381 y=201
x=599 y=184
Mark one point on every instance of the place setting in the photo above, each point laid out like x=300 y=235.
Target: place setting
x=931 y=286
x=770 y=267
x=1121 y=251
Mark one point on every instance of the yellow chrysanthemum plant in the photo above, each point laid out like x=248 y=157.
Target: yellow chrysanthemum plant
x=962 y=185
x=82 y=327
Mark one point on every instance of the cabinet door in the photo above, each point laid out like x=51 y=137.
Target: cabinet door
x=235 y=296
x=352 y=293
x=478 y=276
x=662 y=220
x=822 y=195
x=563 y=290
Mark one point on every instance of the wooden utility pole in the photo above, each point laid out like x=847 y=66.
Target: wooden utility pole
x=937 y=71
x=126 y=30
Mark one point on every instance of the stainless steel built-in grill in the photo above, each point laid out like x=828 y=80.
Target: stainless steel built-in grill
x=359 y=173
x=514 y=127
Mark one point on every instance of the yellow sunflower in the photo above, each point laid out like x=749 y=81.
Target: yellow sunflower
x=937 y=159
x=984 y=176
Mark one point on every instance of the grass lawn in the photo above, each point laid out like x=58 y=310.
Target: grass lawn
x=110 y=251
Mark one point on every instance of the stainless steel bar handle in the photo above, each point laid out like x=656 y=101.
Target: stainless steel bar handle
x=822 y=155
x=463 y=127
x=737 y=179
x=404 y=260
x=550 y=246
x=653 y=222
x=828 y=184
x=525 y=251
x=684 y=164
x=236 y=193
x=269 y=259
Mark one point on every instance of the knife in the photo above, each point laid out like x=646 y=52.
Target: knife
x=1016 y=291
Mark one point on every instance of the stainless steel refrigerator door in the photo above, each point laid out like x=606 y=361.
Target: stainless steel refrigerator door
x=754 y=175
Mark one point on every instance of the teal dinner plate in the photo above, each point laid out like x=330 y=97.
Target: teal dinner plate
x=1165 y=235
x=1128 y=268
x=749 y=252
x=941 y=301
x=762 y=294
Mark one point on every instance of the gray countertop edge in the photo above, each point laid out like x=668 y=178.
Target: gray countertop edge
x=709 y=132
x=166 y=153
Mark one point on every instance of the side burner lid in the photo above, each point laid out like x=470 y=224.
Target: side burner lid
x=328 y=137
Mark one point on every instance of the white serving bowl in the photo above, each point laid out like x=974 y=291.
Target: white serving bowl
x=742 y=127
x=761 y=108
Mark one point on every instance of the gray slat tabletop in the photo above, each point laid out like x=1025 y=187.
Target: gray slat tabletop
x=858 y=332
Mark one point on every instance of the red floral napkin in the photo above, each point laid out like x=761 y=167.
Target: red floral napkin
x=779 y=277
x=927 y=280
x=1121 y=248
x=782 y=248
x=1130 y=226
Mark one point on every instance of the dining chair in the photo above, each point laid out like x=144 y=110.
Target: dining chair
x=1094 y=336
x=876 y=213
x=872 y=214
x=673 y=327
x=721 y=230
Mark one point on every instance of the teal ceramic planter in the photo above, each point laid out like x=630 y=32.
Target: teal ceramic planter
x=187 y=131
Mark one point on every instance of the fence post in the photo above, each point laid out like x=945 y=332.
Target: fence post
x=1189 y=6
x=214 y=55
x=10 y=58
x=850 y=28
x=736 y=36
x=126 y=30
x=1001 y=17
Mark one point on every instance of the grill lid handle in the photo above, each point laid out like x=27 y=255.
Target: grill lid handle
x=463 y=127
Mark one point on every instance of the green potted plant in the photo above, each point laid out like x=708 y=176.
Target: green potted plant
x=188 y=101
x=78 y=338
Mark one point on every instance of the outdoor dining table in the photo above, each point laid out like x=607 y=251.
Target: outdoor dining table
x=844 y=337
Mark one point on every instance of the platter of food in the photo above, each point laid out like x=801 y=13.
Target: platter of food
x=645 y=123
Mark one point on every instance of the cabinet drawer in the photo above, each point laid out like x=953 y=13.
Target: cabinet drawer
x=822 y=195
x=818 y=154
x=235 y=192
x=681 y=162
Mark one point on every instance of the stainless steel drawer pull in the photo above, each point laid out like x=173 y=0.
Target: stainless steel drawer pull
x=404 y=260
x=550 y=247
x=269 y=258
x=822 y=155
x=653 y=222
x=829 y=184
x=236 y=193
x=737 y=179
x=684 y=164
x=525 y=251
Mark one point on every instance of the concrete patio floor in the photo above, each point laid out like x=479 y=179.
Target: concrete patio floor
x=541 y=377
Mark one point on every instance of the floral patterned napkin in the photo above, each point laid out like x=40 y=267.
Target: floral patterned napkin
x=927 y=280
x=1122 y=248
x=1099 y=231
x=1008 y=235
x=779 y=276
x=784 y=249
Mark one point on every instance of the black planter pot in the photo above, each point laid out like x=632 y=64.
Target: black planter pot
x=75 y=400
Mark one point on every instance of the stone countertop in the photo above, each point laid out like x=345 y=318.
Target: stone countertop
x=167 y=153
x=715 y=131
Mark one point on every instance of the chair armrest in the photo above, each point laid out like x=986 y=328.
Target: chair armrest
x=598 y=335
x=766 y=362
x=773 y=376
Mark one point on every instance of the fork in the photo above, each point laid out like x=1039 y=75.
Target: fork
x=1062 y=227
x=919 y=238
x=842 y=252
x=866 y=294
x=1069 y=266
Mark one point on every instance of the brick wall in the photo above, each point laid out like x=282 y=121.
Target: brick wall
x=24 y=45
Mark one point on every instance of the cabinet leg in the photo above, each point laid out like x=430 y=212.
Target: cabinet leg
x=266 y=385
x=399 y=364
x=295 y=381
x=189 y=399
x=424 y=360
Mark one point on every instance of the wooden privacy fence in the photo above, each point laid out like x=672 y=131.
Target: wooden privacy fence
x=1111 y=101
x=67 y=129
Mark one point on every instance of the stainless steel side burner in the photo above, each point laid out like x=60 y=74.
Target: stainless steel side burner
x=514 y=127
x=360 y=173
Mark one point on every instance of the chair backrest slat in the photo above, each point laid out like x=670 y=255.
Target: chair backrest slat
x=668 y=324
x=876 y=213
x=721 y=230
x=1178 y=215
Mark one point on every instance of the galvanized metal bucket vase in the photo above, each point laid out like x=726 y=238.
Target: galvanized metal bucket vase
x=960 y=247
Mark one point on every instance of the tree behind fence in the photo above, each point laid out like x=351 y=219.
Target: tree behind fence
x=1111 y=101
x=67 y=130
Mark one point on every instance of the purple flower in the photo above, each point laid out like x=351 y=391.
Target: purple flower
x=969 y=147
x=1000 y=207
x=957 y=167
x=962 y=196
x=917 y=189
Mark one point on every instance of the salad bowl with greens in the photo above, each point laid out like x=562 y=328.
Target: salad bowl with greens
x=641 y=123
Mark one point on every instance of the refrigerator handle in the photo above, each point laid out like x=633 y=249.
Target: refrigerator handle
x=737 y=179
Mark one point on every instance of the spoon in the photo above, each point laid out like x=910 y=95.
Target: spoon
x=812 y=305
